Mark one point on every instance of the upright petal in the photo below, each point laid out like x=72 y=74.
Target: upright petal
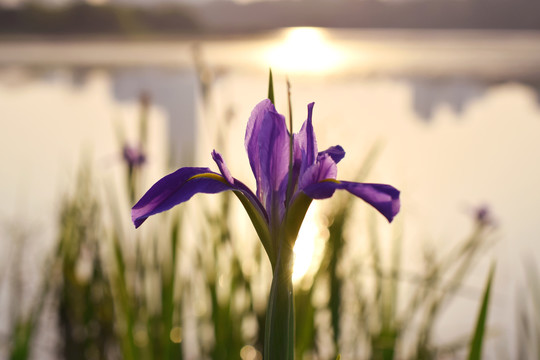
x=306 y=140
x=177 y=188
x=274 y=143
x=297 y=161
x=251 y=141
x=384 y=198
x=222 y=167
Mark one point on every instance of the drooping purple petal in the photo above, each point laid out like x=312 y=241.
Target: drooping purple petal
x=382 y=197
x=177 y=188
x=336 y=153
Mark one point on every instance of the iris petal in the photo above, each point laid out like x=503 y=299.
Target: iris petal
x=306 y=139
x=324 y=168
x=177 y=188
x=273 y=141
x=336 y=153
x=223 y=169
x=251 y=140
x=382 y=197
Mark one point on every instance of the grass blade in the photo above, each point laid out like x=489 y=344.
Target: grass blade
x=479 y=332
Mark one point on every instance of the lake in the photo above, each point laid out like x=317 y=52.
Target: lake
x=457 y=114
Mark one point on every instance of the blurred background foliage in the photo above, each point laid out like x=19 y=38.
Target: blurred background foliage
x=154 y=294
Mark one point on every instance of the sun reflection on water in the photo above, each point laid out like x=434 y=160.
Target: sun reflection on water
x=304 y=49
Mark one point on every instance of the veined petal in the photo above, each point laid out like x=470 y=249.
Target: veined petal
x=382 y=197
x=175 y=189
x=324 y=168
x=251 y=141
x=273 y=148
x=181 y=185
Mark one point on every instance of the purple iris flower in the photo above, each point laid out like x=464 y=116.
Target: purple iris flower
x=133 y=156
x=484 y=216
x=281 y=188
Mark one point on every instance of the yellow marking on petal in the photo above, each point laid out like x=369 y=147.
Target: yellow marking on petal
x=209 y=176
x=332 y=180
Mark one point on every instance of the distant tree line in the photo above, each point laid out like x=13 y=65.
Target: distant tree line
x=221 y=17
x=82 y=19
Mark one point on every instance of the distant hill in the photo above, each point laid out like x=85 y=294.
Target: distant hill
x=222 y=17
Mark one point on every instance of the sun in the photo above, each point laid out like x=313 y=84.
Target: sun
x=304 y=49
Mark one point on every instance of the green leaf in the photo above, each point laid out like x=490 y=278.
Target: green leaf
x=295 y=216
x=260 y=225
x=271 y=88
x=476 y=343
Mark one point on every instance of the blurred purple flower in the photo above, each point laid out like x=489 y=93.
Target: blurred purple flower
x=267 y=141
x=484 y=216
x=133 y=156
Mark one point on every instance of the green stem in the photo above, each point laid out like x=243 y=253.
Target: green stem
x=279 y=328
